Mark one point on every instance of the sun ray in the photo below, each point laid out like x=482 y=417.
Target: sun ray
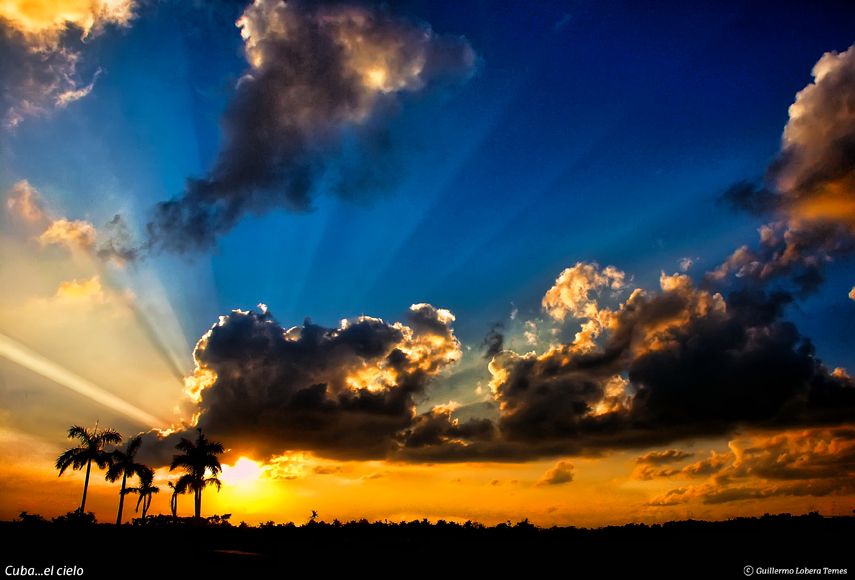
x=23 y=356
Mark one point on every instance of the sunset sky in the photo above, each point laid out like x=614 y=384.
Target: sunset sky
x=585 y=263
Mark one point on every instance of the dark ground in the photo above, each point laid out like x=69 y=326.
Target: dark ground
x=687 y=549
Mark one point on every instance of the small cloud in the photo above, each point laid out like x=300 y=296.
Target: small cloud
x=81 y=290
x=24 y=200
x=39 y=53
x=530 y=333
x=664 y=457
x=494 y=341
x=326 y=469
x=561 y=473
x=75 y=235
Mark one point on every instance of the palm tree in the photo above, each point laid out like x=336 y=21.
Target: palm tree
x=123 y=464
x=198 y=458
x=177 y=487
x=91 y=449
x=145 y=490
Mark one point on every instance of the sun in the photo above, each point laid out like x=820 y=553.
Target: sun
x=245 y=471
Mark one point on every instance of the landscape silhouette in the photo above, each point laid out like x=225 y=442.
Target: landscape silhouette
x=784 y=542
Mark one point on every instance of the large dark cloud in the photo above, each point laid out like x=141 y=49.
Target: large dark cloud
x=672 y=365
x=319 y=76
x=344 y=392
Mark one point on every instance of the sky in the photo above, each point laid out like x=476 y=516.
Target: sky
x=586 y=263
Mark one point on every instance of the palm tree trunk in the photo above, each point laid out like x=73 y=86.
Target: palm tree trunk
x=85 y=487
x=198 y=505
x=121 y=499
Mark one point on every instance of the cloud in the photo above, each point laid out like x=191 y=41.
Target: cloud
x=111 y=243
x=44 y=22
x=664 y=457
x=672 y=365
x=346 y=392
x=798 y=252
x=39 y=53
x=530 y=333
x=814 y=462
x=90 y=289
x=663 y=367
x=318 y=78
x=25 y=201
x=669 y=365
x=561 y=473
x=810 y=186
x=816 y=167
x=647 y=469
x=575 y=293
x=750 y=198
x=494 y=341
x=77 y=236
x=572 y=292
x=436 y=428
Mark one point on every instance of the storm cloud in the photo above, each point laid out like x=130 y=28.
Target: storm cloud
x=669 y=365
x=318 y=78
x=345 y=392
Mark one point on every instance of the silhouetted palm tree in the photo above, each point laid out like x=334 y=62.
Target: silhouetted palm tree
x=91 y=449
x=178 y=487
x=122 y=464
x=144 y=490
x=199 y=457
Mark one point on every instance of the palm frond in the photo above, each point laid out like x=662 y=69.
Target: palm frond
x=78 y=432
x=185 y=445
x=184 y=483
x=134 y=444
x=71 y=458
